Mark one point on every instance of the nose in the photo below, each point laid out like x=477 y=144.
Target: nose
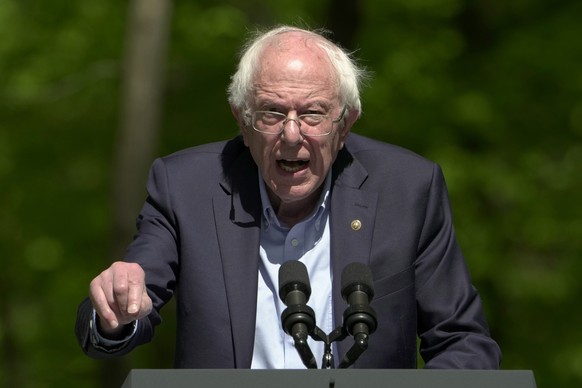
x=291 y=133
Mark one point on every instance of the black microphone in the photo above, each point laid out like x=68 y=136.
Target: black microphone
x=358 y=290
x=298 y=319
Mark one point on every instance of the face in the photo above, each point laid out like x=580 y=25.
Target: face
x=295 y=77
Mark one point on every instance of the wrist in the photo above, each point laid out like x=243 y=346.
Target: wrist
x=110 y=342
x=113 y=334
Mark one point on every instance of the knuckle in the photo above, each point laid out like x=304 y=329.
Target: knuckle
x=95 y=283
x=120 y=287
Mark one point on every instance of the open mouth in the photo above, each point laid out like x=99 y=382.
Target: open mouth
x=292 y=166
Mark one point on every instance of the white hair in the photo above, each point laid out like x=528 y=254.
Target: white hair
x=349 y=75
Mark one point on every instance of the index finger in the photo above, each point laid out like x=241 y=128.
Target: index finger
x=129 y=286
x=136 y=282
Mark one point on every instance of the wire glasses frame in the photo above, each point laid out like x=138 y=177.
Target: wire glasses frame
x=310 y=124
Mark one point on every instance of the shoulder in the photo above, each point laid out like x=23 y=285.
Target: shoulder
x=375 y=154
x=216 y=155
x=230 y=147
x=209 y=163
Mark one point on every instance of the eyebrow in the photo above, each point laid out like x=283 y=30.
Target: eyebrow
x=318 y=103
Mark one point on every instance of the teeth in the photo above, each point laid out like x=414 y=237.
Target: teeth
x=292 y=165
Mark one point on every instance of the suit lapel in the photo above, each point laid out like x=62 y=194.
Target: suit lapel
x=237 y=218
x=353 y=214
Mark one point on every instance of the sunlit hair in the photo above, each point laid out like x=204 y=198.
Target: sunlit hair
x=348 y=73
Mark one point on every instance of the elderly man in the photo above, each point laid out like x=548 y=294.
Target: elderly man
x=220 y=219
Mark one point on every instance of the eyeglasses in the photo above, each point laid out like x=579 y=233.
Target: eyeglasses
x=310 y=124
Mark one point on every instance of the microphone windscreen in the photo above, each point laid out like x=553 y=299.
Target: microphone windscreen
x=357 y=277
x=293 y=276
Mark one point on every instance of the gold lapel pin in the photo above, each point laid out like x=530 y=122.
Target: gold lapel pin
x=356 y=225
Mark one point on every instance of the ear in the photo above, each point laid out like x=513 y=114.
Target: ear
x=238 y=115
x=240 y=120
x=350 y=119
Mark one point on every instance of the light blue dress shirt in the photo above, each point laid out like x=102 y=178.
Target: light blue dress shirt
x=309 y=242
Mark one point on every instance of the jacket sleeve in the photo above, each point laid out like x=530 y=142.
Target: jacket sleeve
x=155 y=249
x=93 y=348
x=451 y=323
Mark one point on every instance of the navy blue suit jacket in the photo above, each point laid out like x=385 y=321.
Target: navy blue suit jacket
x=199 y=239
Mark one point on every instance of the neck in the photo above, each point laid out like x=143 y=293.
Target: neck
x=291 y=213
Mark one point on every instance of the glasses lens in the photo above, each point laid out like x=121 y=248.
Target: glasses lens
x=312 y=120
x=314 y=124
x=268 y=121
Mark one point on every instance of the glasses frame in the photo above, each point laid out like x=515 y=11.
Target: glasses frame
x=297 y=121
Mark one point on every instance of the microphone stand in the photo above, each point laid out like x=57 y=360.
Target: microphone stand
x=300 y=340
x=339 y=334
x=359 y=346
x=327 y=361
x=299 y=321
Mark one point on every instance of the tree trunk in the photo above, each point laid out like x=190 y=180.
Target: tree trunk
x=142 y=90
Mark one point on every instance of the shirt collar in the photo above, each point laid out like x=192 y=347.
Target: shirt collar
x=269 y=215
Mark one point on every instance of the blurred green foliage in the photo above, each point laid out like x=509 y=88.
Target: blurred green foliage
x=491 y=90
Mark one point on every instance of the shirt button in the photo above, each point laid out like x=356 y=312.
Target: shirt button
x=294 y=242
